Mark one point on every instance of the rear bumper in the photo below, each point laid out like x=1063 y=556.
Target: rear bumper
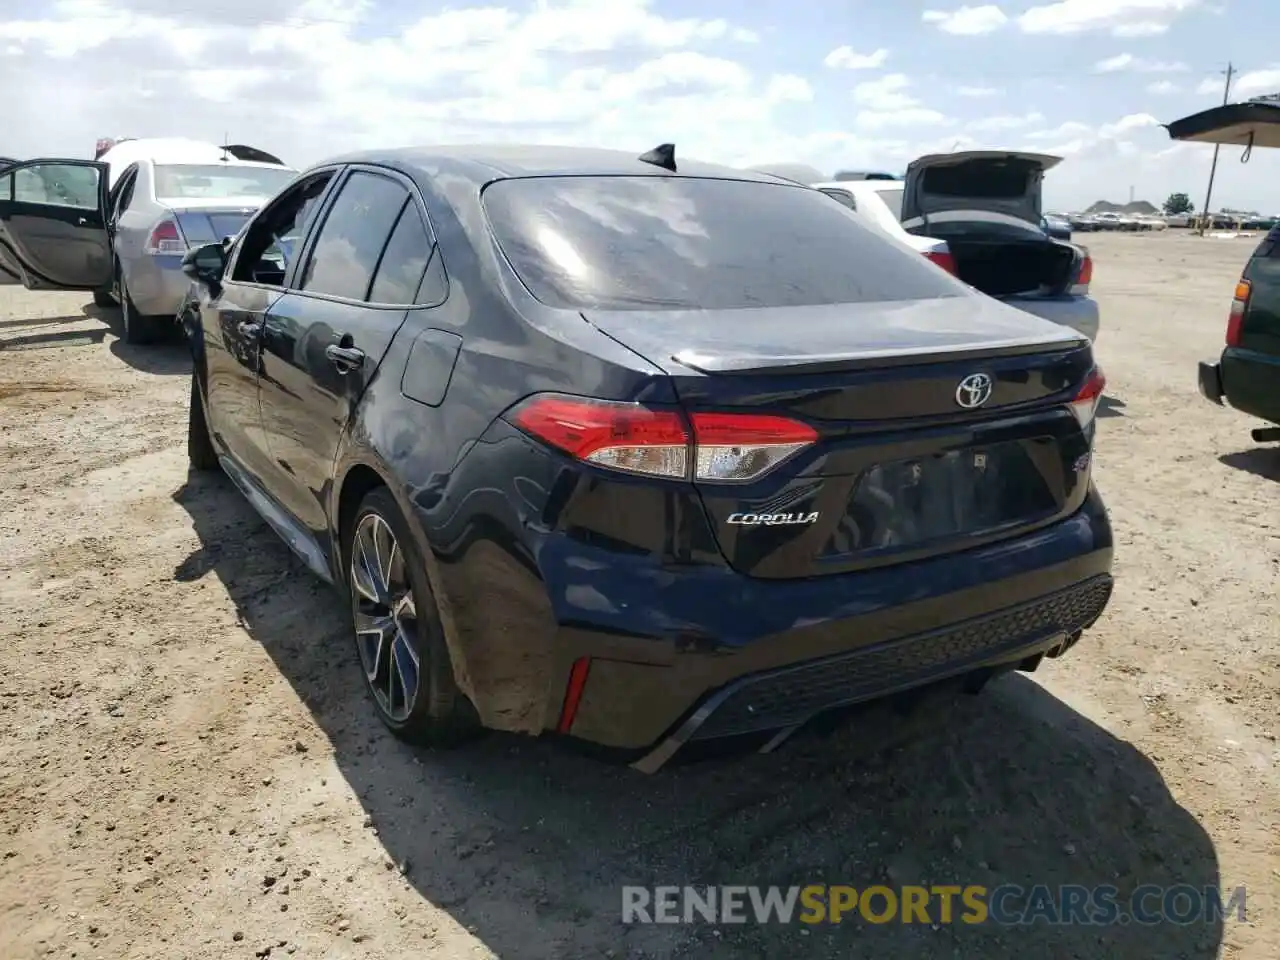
x=157 y=285
x=1210 y=382
x=1079 y=313
x=805 y=646
x=1250 y=382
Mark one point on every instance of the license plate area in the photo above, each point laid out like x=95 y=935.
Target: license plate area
x=965 y=492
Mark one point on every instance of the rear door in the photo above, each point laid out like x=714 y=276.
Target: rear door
x=53 y=225
x=357 y=277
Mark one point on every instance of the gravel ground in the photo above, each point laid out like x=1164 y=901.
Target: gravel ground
x=188 y=766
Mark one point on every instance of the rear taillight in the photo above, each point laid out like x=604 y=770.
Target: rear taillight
x=943 y=259
x=165 y=240
x=1084 y=274
x=1086 y=401
x=1239 y=305
x=663 y=442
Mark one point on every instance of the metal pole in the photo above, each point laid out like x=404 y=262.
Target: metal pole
x=1213 y=169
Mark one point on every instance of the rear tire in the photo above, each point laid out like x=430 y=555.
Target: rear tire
x=201 y=454
x=136 y=328
x=399 y=639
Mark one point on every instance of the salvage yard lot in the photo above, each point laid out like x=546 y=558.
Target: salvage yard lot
x=188 y=766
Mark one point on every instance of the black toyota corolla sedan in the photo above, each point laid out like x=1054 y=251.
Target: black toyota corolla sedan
x=642 y=451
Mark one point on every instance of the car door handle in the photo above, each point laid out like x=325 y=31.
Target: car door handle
x=249 y=328
x=346 y=359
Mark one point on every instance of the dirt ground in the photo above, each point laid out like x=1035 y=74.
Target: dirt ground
x=189 y=768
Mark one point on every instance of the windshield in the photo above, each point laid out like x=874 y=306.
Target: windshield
x=215 y=181
x=637 y=243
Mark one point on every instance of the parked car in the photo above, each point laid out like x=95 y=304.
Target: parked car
x=1056 y=226
x=1247 y=375
x=160 y=198
x=637 y=451
x=880 y=201
x=985 y=208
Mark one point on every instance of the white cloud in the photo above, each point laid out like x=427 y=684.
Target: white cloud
x=908 y=118
x=977 y=91
x=1127 y=61
x=1163 y=88
x=967 y=21
x=1257 y=82
x=999 y=123
x=848 y=59
x=788 y=87
x=1209 y=86
x=887 y=93
x=1122 y=18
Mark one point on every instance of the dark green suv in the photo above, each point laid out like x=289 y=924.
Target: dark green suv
x=1248 y=374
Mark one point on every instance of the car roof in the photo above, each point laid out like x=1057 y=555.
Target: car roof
x=484 y=163
x=172 y=150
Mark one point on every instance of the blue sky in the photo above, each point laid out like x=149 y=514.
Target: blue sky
x=836 y=85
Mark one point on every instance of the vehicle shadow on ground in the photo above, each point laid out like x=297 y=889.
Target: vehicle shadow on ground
x=59 y=338
x=1260 y=461
x=167 y=356
x=1111 y=407
x=527 y=843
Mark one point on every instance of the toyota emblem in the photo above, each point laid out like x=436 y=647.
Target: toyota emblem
x=973 y=391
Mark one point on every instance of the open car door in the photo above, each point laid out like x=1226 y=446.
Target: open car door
x=1254 y=123
x=53 y=229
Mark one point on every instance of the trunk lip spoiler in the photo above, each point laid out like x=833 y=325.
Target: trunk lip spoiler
x=876 y=359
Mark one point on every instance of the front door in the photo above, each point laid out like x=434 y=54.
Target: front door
x=323 y=341
x=232 y=316
x=53 y=225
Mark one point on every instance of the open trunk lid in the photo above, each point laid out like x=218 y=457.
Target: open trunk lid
x=1000 y=181
x=1254 y=123
x=935 y=425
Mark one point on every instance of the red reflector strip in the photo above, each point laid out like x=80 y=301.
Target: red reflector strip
x=573 y=693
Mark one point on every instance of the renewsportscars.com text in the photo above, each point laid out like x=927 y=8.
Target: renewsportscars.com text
x=1007 y=904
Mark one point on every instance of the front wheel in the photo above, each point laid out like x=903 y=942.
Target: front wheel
x=399 y=638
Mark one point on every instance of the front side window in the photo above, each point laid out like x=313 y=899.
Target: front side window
x=269 y=244
x=684 y=243
x=353 y=235
x=53 y=184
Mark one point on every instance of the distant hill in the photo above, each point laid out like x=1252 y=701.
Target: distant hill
x=1138 y=206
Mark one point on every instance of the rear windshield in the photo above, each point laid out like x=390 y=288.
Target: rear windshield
x=893 y=200
x=189 y=181
x=637 y=243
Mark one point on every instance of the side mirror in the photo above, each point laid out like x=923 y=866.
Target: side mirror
x=205 y=263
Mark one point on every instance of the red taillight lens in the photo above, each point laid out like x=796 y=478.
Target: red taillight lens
x=165 y=239
x=1239 y=305
x=1086 y=401
x=942 y=259
x=660 y=442
x=1086 y=271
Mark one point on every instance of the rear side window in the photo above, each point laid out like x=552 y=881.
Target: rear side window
x=643 y=243
x=404 y=261
x=842 y=196
x=353 y=235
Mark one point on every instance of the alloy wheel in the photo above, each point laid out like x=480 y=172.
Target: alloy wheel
x=386 y=617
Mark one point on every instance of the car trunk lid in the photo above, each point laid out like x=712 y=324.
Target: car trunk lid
x=937 y=425
x=1000 y=181
x=209 y=221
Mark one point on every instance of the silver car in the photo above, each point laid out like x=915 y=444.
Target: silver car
x=158 y=204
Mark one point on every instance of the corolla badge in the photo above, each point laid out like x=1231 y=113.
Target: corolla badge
x=772 y=519
x=974 y=390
